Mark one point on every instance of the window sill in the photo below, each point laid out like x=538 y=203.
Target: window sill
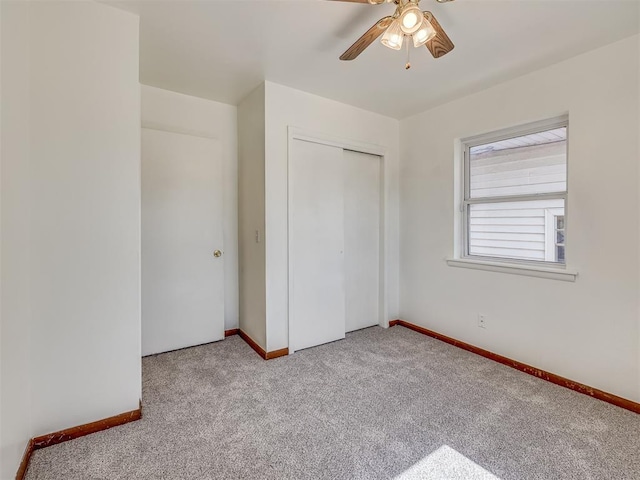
x=515 y=269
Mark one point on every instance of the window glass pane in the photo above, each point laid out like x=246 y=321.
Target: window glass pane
x=529 y=164
x=516 y=230
x=560 y=222
x=560 y=253
x=560 y=237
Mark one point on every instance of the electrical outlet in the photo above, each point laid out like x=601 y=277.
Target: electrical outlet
x=482 y=320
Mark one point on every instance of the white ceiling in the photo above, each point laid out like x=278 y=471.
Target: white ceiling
x=221 y=49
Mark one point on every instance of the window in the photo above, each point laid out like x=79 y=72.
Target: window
x=515 y=194
x=559 y=238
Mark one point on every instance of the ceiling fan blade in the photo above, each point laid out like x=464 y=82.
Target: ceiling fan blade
x=367 y=39
x=441 y=44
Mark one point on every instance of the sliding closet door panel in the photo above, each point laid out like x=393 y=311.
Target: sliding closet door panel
x=316 y=233
x=362 y=239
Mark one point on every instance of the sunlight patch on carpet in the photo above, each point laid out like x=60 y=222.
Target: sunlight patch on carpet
x=445 y=463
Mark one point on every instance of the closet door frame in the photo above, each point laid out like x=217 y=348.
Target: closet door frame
x=295 y=133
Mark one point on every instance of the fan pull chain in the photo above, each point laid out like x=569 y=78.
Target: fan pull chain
x=408 y=64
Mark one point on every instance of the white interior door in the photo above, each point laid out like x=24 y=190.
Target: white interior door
x=362 y=239
x=182 y=280
x=316 y=245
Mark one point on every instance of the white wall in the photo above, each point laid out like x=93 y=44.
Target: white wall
x=251 y=195
x=70 y=152
x=15 y=386
x=289 y=107
x=70 y=219
x=587 y=331
x=180 y=113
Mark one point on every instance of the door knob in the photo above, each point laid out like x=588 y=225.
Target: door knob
x=217 y=253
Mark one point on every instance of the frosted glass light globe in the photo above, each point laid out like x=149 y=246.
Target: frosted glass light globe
x=393 y=37
x=425 y=33
x=410 y=19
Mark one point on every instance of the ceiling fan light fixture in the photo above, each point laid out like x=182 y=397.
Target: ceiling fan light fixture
x=411 y=18
x=425 y=33
x=393 y=37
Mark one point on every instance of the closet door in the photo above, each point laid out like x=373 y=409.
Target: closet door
x=316 y=245
x=362 y=197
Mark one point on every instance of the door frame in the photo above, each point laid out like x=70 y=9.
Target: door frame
x=296 y=133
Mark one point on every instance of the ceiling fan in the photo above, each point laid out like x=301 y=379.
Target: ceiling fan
x=407 y=23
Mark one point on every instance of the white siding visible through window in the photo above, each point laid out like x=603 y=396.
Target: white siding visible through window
x=511 y=229
x=519 y=171
x=527 y=168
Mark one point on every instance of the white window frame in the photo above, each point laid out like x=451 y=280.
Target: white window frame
x=539 y=268
x=550 y=215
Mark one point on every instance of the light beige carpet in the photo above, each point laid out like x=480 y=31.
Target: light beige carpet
x=382 y=404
